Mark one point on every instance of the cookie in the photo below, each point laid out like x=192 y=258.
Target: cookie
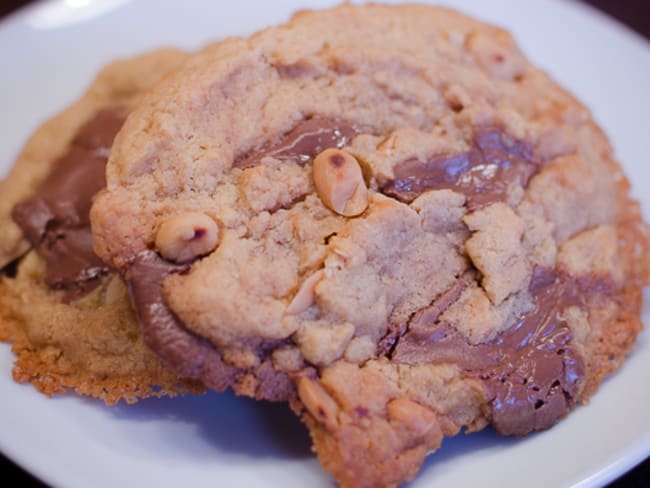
x=68 y=315
x=386 y=216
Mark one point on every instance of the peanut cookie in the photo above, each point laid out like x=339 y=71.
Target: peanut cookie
x=386 y=216
x=67 y=315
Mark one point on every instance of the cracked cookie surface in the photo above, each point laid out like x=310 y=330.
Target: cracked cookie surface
x=67 y=315
x=418 y=232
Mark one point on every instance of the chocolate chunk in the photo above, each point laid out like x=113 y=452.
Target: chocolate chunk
x=56 y=220
x=71 y=260
x=532 y=370
x=307 y=139
x=483 y=173
x=537 y=378
x=190 y=356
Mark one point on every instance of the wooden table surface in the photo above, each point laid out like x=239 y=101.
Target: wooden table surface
x=634 y=13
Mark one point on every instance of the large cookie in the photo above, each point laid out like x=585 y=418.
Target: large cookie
x=67 y=315
x=388 y=217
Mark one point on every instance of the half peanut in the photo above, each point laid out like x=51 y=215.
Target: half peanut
x=186 y=236
x=339 y=182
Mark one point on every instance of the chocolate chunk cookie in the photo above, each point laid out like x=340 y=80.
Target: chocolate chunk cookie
x=386 y=216
x=66 y=313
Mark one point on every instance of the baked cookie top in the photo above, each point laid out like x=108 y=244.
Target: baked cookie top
x=385 y=215
x=67 y=315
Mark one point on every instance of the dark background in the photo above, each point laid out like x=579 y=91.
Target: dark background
x=634 y=13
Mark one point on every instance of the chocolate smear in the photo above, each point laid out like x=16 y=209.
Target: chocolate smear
x=189 y=355
x=56 y=220
x=483 y=174
x=532 y=370
x=302 y=143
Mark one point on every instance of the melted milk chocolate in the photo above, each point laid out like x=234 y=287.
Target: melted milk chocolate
x=56 y=220
x=483 y=174
x=307 y=139
x=162 y=331
x=532 y=371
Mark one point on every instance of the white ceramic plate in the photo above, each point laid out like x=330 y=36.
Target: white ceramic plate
x=51 y=51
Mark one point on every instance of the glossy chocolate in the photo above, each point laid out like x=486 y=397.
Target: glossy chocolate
x=56 y=220
x=483 y=174
x=532 y=371
x=308 y=138
x=162 y=331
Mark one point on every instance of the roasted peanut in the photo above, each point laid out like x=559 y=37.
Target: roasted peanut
x=318 y=402
x=497 y=55
x=186 y=236
x=339 y=182
x=414 y=417
x=304 y=298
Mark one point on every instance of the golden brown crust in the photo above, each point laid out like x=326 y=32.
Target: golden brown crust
x=616 y=322
x=93 y=347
